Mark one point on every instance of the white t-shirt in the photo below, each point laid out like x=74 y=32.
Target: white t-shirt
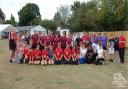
x=94 y=46
x=111 y=50
x=83 y=51
x=100 y=52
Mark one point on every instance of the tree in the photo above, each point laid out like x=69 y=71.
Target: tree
x=112 y=14
x=36 y=21
x=28 y=13
x=2 y=16
x=62 y=15
x=11 y=21
x=84 y=16
x=49 y=24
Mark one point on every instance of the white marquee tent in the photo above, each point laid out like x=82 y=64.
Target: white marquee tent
x=6 y=28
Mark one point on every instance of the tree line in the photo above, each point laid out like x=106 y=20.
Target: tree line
x=94 y=15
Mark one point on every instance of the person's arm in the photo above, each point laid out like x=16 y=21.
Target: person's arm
x=72 y=56
x=61 y=57
x=69 y=56
x=42 y=56
x=65 y=57
x=77 y=57
x=55 y=56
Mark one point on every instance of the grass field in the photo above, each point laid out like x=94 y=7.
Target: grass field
x=23 y=76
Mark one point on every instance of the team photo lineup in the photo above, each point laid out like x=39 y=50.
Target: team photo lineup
x=73 y=49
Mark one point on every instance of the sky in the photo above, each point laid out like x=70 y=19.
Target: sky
x=47 y=7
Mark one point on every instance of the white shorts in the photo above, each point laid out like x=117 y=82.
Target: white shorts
x=111 y=50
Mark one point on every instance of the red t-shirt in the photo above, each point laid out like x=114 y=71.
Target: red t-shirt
x=67 y=53
x=38 y=53
x=30 y=55
x=55 y=42
x=85 y=38
x=69 y=40
x=35 y=39
x=45 y=53
x=43 y=39
x=51 y=39
x=74 y=53
x=34 y=53
x=48 y=40
x=14 y=35
x=26 y=50
x=58 y=52
x=122 y=42
x=63 y=41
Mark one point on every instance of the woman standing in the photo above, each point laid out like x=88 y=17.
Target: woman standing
x=116 y=48
x=12 y=45
x=122 y=44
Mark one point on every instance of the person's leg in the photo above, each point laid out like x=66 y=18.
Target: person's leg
x=97 y=61
x=102 y=61
x=49 y=61
x=122 y=55
x=52 y=61
x=12 y=55
x=76 y=62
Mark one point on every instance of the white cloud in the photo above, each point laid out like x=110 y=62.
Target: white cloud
x=47 y=7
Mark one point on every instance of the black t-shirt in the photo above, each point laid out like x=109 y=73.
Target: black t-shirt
x=78 y=40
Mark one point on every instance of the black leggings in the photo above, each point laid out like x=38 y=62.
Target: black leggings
x=121 y=54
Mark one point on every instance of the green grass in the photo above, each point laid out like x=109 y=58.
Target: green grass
x=23 y=76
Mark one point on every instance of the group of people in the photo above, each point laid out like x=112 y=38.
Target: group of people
x=53 y=48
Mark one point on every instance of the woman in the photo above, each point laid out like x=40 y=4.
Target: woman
x=90 y=54
x=67 y=55
x=44 y=56
x=75 y=54
x=58 y=55
x=56 y=41
x=51 y=56
x=12 y=45
x=83 y=52
x=122 y=45
x=100 y=52
x=69 y=41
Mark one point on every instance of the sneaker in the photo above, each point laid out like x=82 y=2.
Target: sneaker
x=118 y=61
x=103 y=63
x=114 y=61
x=111 y=60
x=10 y=61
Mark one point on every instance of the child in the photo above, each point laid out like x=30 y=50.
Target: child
x=51 y=56
x=75 y=55
x=44 y=56
x=25 y=50
x=58 y=55
x=90 y=54
x=19 y=54
x=34 y=56
x=100 y=51
x=116 y=47
x=94 y=47
x=38 y=56
x=83 y=52
x=30 y=56
x=111 y=49
x=67 y=55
